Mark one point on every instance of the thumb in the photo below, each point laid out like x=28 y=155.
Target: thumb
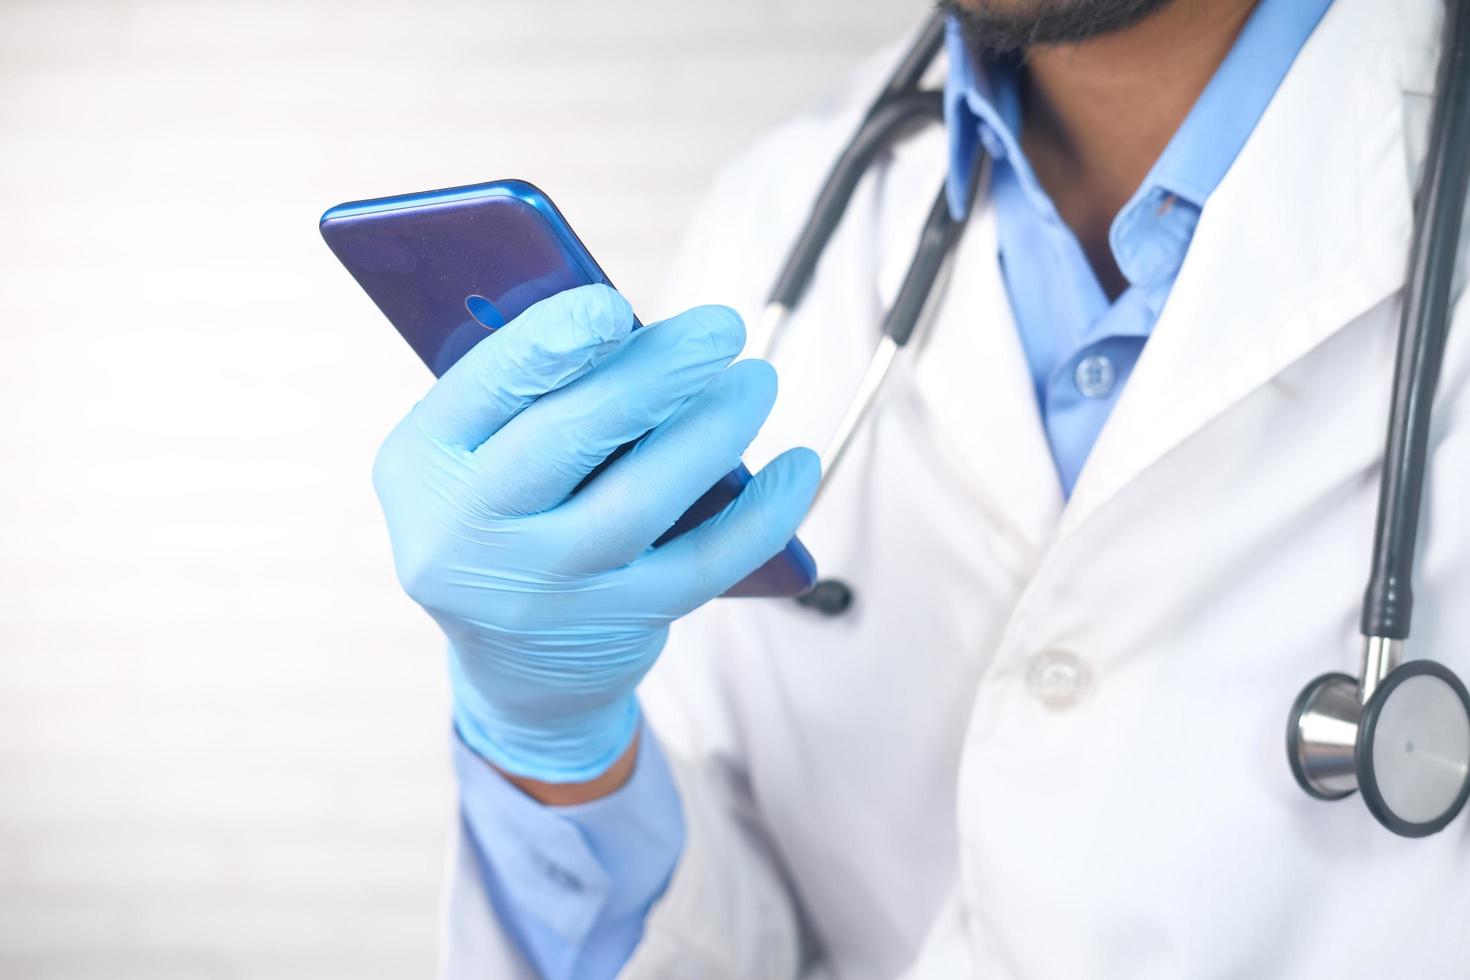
x=550 y=345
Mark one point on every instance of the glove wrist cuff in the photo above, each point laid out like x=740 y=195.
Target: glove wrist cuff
x=578 y=754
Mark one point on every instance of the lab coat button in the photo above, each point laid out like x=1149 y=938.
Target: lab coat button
x=1095 y=375
x=1057 y=678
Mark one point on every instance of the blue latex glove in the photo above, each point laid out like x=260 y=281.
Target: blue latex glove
x=556 y=605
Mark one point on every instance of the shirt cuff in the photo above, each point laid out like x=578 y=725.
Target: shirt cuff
x=573 y=884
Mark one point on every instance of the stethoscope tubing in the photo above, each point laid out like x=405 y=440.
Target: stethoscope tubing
x=936 y=242
x=885 y=124
x=902 y=105
x=898 y=108
x=1388 y=601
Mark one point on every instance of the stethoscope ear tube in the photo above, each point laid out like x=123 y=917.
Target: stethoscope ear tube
x=936 y=240
x=899 y=107
x=885 y=123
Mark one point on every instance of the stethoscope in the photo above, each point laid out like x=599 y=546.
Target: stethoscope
x=1399 y=732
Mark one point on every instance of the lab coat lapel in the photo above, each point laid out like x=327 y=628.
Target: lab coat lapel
x=1307 y=231
x=965 y=365
x=976 y=390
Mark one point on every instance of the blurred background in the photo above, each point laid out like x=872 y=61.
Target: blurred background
x=223 y=731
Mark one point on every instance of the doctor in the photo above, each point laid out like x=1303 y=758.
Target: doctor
x=1111 y=509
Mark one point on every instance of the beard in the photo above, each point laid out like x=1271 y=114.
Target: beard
x=1011 y=26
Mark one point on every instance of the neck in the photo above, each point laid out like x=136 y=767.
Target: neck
x=1099 y=113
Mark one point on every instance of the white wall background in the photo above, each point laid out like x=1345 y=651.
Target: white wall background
x=222 y=730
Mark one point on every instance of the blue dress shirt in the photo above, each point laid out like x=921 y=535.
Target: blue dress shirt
x=574 y=884
x=1081 y=347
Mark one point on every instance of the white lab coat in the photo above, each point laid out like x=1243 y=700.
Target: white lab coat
x=1047 y=741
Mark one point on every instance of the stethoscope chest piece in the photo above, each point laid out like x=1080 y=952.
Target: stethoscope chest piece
x=1407 y=748
x=1413 y=749
x=1322 y=734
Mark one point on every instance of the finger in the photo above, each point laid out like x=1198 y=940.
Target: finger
x=704 y=563
x=550 y=345
x=639 y=497
x=537 y=459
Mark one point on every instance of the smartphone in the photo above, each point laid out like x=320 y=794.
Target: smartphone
x=450 y=267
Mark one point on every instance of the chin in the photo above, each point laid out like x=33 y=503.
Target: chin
x=1013 y=25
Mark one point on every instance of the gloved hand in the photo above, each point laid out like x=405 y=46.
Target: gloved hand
x=555 y=604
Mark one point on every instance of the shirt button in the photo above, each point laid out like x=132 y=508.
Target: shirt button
x=1095 y=376
x=1057 y=678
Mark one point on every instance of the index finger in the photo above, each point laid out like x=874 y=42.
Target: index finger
x=550 y=345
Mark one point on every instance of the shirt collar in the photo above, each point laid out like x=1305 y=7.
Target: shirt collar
x=1228 y=109
x=972 y=117
x=978 y=109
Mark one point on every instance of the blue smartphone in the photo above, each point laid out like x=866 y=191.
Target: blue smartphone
x=450 y=267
